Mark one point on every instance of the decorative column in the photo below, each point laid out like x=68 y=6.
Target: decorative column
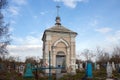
x=46 y=53
x=68 y=57
x=73 y=54
x=53 y=56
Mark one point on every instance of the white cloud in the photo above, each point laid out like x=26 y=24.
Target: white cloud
x=28 y=40
x=30 y=45
x=20 y=2
x=25 y=50
x=71 y=3
x=94 y=23
x=12 y=22
x=11 y=29
x=115 y=38
x=103 y=30
x=111 y=41
x=43 y=12
x=13 y=10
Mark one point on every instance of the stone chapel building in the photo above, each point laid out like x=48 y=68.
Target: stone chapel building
x=60 y=41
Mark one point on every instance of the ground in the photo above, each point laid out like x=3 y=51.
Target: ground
x=97 y=75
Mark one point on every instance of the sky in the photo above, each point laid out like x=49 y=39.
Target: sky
x=97 y=23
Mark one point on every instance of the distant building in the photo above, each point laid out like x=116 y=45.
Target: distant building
x=60 y=41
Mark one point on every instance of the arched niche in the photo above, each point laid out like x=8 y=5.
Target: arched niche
x=61 y=40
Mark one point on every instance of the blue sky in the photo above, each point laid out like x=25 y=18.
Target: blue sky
x=97 y=23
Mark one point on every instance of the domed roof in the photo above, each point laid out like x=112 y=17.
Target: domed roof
x=58 y=28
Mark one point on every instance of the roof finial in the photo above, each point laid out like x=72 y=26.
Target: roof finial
x=57 y=18
x=58 y=10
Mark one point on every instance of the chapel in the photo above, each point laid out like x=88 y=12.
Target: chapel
x=60 y=42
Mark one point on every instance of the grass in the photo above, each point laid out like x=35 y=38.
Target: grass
x=97 y=75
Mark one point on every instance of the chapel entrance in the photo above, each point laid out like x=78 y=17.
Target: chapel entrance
x=60 y=59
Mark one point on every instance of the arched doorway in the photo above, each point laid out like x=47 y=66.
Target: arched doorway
x=60 y=59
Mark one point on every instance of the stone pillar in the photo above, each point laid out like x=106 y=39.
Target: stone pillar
x=46 y=53
x=54 y=61
x=73 y=58
x=73 y=54
x=68 y=57
x=53 y=57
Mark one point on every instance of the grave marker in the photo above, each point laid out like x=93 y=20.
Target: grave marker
x=21 y=69
x=95 y=66
x=109 y=70
x=113 y=66
x=119 y=68
x=81 y=66
x=76 y=66
x=98 y=67
x=28 y=72
x=50 y=68
x=89 y=70
x=2 y=68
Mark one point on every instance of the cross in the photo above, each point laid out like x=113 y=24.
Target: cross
x=43 y=68
x=58 y=10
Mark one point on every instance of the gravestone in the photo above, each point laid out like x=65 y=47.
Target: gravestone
x=119 y=68
x=76 y=66
x=109 y=70
x=35 y=66
x=95 y=66
x=104 y=65
x=89 y=70
x=3 y=71
x=14 y=66
x=39 y=65
x=28 y=72
x=81 y=66
x=9 y=68
x=119 y=64
x=113 y=66
x=98 y=67
x=2 y=68
x=17 y=68
x=21 y=69
x=85 y=65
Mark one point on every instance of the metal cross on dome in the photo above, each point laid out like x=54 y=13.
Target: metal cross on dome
x=58 y=10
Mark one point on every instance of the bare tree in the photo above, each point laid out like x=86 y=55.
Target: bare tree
x=116 y=54
x=11 y=59
x=101 y=55
x=4 y=31
x=30 y=60
x=88 y=54
x=3 y=4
